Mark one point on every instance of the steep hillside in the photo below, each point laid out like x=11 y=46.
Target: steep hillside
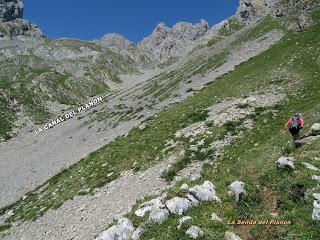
x=292 y=68
x=199 y=126
x=52 y=77
x=127 y=108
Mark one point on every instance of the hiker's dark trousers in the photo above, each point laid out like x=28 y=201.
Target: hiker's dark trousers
x=294 y=132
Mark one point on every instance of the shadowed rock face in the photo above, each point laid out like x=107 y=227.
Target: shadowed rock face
x=10 y=10
x=20 y=29
x=250 y=10
x=12 y=26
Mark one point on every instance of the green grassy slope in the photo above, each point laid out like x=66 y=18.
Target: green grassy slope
x=252 y=158
x=291 y=65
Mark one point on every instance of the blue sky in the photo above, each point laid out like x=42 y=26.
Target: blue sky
x=134 y=19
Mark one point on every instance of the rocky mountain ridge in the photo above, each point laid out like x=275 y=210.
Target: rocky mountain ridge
x=10 y=10
x=13 y=27
x=115 y=39
x=295 y=12
x=178 y=128
x=96 y=66
x=165 y=42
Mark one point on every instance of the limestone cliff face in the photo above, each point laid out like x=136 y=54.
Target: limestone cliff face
x=12 y=26
x=297 y=13
x=20 y=29
x=10 y=10
x=252 y=10
x=171 y=42
x=162 y=44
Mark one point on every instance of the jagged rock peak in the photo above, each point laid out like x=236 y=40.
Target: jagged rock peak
x=10 y=10
x=250 y=10
x=20 y=29
x=115 y=39
x=192 y=31
x=181 y=29
x=160 y=25
x=166 y=42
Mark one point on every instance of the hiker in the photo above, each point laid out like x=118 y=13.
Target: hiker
x=295 y=123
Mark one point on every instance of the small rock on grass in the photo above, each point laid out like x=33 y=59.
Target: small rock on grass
x=149 y=206
x=316 y=196
x=204 y=192
x=137 y=233
x=306 y=140
x=194 y=232
x=316 y=210
x=238 y=189
x=184 y=187
x=183 y=220
x=158 y=215
x=123 y=230
x=231 y=236
x=315 y=129
x=310 y=166
x=178 y=205
x=285 y=162
x=215 y=217
x=314 y=177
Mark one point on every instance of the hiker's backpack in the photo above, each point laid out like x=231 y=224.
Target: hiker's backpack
x=295 y=122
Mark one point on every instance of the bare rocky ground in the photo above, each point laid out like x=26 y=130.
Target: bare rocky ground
x=219 y=114
x=29 y=160
x=85 y=216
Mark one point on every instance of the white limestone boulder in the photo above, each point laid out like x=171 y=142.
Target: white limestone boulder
x=148 y=206
x=158 y=215
x=137 y=233
x=237 y=188
x=316 y=210
x=285 y=162
x=178 y=205
x=215 y=217
x=194 y=232
x=315 y=129
x=183 y=220
x=184 y=187
x=310 y=166
x=205 y=192
x=231 y=236
x=122 y=231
